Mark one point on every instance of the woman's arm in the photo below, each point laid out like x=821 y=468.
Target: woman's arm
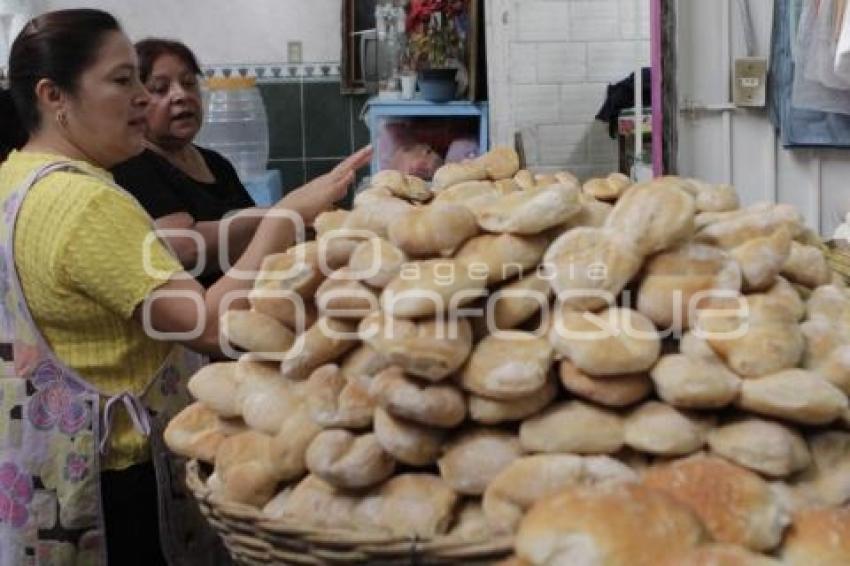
x=182 y=305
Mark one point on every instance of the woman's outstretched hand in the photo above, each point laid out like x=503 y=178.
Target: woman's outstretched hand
x=322 y=192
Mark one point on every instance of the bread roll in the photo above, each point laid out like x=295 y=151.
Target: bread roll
x=437 y=229
x=807 y=266
x=720 y=554
x=329 y=221
x=288 y=448
x=390 y=506
x=215 y=385
x=656 y=428
x=323 y=342
x=409 y=443
x=371 y=195
x=753 y=349
x=454 y=173
x=501 y=162
x=828 y=301
x=473 y=458
x=440 y=405
x=492 y=411
x=471 y=524
x=762 y=446
x=509 y=365
x=733 y=229
x=363 y=360
x=471 y=194
x=611 y=187
x=717 y=198
x=697 y=348
x=797 y=395
x=588 y=267
x=338 y=401
x=619 y=525
x=593 y=214
x=693 y=383
x=274 y=509
x=612 y=391
x=297 y=270
x=195 y=433
x=827 y=482
x=678 y=282
x=342 y=296
x=534 y=478
x=376 y=214
x=255 y=332
x=317 y=504
x=265 y=397
x=430 y=287
x=818 y=536
x=736 y=505
x=348 y=461
x=761 y=259
x=376 y=262
x=530 y=212
x=514 y=303
x=431 y=349
x=614 y=342
x=574 y=427
x=653 y=217
x=287 y=307
x=402 y=186
x=244 y=470
x=503 y=256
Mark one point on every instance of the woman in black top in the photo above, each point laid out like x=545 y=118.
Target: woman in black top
x=181 y=185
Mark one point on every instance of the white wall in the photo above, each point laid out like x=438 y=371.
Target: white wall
x=549 y=62
x=742 y=147
x=230 y=31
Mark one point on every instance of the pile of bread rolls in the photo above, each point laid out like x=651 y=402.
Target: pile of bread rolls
x=613 y=373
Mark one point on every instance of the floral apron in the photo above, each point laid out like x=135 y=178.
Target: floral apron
x=54 y=426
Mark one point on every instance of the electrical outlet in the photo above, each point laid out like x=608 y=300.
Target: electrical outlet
x=294 y=52
x=749 y=86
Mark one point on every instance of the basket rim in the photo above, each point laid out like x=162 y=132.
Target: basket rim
x=233 y=520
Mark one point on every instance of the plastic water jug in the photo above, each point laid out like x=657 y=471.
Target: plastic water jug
x=235 y=124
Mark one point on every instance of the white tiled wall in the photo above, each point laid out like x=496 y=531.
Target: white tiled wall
x=549 y=74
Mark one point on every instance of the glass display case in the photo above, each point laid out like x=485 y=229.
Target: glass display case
x=417 y=136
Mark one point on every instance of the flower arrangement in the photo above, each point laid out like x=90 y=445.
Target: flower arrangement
x=437 y=32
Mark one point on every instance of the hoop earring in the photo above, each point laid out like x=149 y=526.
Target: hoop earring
x=62 y=119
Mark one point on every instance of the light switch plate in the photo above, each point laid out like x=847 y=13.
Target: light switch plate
x=749 y=85
x=294 y=53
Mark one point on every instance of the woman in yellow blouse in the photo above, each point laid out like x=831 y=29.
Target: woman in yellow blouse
x=81 y=245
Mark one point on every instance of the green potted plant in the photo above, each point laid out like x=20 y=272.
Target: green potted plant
x=437 y=31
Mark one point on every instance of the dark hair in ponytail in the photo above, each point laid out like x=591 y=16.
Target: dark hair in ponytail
x=58 y=46
x=12 y=132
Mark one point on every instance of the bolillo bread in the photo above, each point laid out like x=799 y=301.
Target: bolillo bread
x=736 y=505
x=348 y=461
x=436 y=229
x=441 y=405
x=611 y=525
x=511 y=364
x=765 y=447
x=818 y=536
x=195 y=432
x=574 y=427
x=492 y=411
x=337 y=401
x=694 y=383
x=611 y=391
x=408 y=442
x=657 y=428
x=432 y=349
x=533 y=478
x=530 y=212
x=474 y=457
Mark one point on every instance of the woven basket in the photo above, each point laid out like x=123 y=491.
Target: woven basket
x=253 y=539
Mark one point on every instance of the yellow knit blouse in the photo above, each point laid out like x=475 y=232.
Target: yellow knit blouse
x=79 y=251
